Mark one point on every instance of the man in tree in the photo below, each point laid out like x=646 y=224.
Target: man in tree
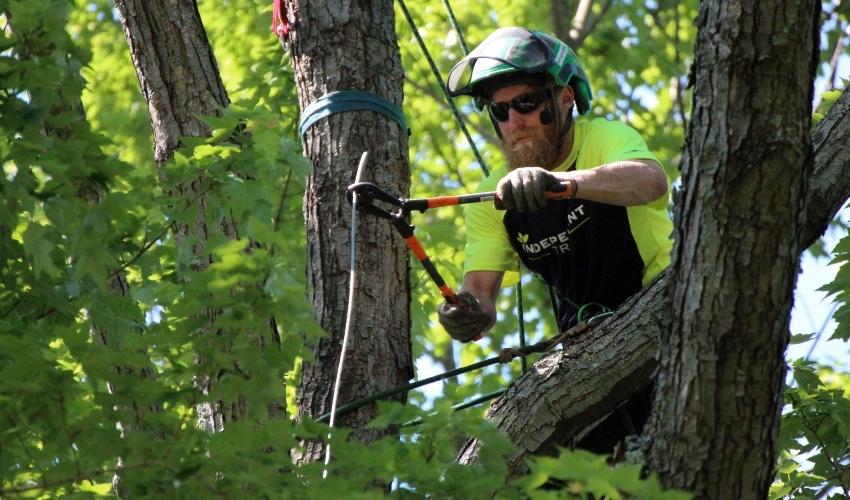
x=606 y=236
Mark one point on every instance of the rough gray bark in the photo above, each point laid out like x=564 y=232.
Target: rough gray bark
x=351 y=45
x=734 y=265
x=827 y=191
x=176 y=68
x=565 y=392
x=180 y=81
x=828 y=181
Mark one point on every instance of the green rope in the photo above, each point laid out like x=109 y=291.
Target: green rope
x=349 y=100
x=581 y=310
x=595 y=320
x=443 y=88
x=454 y=24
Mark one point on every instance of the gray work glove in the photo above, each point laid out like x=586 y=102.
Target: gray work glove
x=464 y=321
x=524 y=189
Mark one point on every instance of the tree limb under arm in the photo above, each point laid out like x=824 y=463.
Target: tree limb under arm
x=564 y=393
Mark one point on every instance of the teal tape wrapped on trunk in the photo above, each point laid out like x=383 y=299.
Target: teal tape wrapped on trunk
x=350 y=100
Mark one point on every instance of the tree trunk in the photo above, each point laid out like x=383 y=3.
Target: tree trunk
x=351 y=45
x=734 y=266
x=176 y=69
x=180 y=81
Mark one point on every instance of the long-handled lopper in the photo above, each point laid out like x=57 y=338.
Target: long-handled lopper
x=368 y=194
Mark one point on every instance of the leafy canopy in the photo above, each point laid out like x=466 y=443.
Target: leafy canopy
x=101 y=336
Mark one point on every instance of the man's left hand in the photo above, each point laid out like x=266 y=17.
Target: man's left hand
x=466 y=320
x=524 y=189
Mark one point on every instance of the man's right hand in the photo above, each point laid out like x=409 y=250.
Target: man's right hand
x=466 y=320
x=524 y=189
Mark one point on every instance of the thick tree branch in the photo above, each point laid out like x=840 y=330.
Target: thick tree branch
x=565 y=392
x=829 y=184
x=580 y=21
x=583 y=21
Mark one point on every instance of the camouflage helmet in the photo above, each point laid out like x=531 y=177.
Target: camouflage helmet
x=523 y=51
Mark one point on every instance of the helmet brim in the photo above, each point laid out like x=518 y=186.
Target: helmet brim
x=505 y=50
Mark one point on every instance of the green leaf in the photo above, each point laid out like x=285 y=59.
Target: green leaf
x=801 y=338
x=38 y=246
x=806 y=378
x=788 y=466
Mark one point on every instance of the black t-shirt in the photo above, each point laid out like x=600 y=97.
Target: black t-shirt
x=584 y=249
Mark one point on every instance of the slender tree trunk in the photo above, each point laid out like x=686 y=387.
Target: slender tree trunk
x=176 y=69
x=180 y=81
x=735 y=262
x=351 y=45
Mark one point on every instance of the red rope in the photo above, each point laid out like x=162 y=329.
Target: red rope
x=280 y=20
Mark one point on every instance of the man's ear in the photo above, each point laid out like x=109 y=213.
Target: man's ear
x=567 y=97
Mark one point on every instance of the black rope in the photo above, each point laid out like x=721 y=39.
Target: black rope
x=409 y=387
x=443 y=88
x=462 y=406
x=505 y=356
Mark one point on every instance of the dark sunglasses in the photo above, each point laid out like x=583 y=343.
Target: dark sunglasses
x=522 y=104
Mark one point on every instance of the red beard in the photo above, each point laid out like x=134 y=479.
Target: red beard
x=531 y=147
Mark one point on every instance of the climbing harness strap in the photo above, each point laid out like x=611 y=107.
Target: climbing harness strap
x=350 y=100
x=281 y=27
